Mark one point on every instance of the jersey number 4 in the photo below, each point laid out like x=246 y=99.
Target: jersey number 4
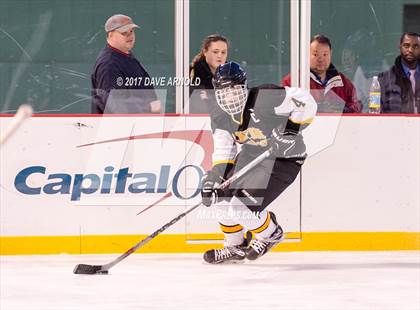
x=298 y=104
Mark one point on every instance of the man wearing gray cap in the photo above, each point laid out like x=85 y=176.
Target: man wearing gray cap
x=119 y=81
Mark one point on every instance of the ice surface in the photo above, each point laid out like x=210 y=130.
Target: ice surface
x=292 y=281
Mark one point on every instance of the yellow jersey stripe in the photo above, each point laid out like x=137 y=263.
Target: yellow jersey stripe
x=263 y=226
x=227 y=161
x=231 y=229
x=306 y=121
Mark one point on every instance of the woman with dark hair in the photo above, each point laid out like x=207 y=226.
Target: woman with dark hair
x=214 y=51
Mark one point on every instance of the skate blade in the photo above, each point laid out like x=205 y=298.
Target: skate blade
x=229 y=262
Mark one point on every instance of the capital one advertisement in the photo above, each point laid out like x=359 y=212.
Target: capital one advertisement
x=116 y=175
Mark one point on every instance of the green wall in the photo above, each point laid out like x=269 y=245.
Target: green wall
x=371 y=28
x=48 y=47
x=259 y=33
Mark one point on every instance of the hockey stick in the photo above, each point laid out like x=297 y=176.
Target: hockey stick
x=24 y=112
x=103 y=269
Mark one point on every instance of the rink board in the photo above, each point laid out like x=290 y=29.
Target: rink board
x=177 y=243
x=76 y=184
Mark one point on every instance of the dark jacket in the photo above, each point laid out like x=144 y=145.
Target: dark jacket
x=202 y=98
x=326 y=94
x=396 y=91
x=201 y=70
x=120 y=84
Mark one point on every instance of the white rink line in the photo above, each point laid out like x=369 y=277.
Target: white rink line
x=292 y=281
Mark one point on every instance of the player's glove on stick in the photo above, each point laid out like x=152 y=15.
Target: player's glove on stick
x=287 y=145
x=209 y=192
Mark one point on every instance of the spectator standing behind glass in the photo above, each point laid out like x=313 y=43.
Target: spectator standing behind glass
x=352 y=68
x=326 y=82
x=119 y=81
x=400 y=85
x=214 y=52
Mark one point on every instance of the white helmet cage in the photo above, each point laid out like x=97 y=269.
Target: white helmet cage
x=232 y=99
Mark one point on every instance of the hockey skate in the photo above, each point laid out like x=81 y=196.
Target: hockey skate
x=229 y=254
x=258 y=247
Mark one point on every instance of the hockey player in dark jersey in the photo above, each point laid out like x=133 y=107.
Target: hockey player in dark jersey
x=265 y=117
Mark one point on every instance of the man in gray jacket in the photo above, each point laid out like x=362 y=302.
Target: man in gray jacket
x=400 y=85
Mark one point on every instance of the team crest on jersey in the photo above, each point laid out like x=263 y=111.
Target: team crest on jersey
x=252 y=136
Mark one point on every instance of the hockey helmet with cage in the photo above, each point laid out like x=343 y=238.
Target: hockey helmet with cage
x=230 y=87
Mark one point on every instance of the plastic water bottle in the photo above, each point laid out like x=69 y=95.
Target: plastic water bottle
x=375 y=97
